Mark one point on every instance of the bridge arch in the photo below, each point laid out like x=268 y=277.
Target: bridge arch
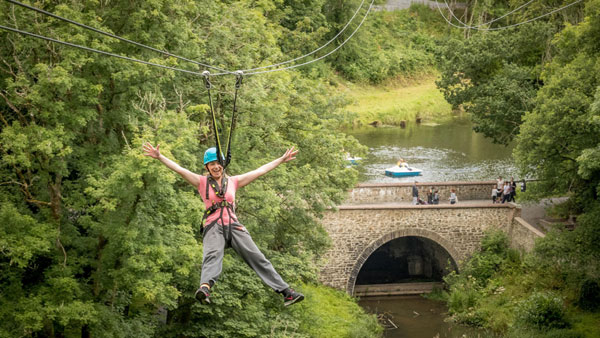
x=406 y=232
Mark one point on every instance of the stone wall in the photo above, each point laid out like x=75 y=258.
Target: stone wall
x=402 y=192
x=358 y=230
x=522 y=235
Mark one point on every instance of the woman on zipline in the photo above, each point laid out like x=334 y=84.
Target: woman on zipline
x=222 y=228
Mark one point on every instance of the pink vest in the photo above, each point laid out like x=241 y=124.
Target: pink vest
x=228 y=217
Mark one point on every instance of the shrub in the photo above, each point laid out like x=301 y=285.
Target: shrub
x=462 y=299
x=494 y=254
x=562 y=333
x=542 y=311
x=589 y=295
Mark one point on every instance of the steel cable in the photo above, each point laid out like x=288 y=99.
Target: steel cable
x=14 y=30
x=252 y=71
x=39 y=10
x=314 y=51
x=503 y=27
x=489 y=22
x=319 y=58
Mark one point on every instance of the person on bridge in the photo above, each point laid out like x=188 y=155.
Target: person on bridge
x=506 y=193
x=453 y=199
x=223 y=229
x=415 y=194
x=430 y=196
x=500 y=183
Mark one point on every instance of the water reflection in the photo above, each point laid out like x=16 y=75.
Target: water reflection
x=450 y=151
x=416 y=317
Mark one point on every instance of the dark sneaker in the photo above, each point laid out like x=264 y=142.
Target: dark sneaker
x=203 y=295
x=290 y=297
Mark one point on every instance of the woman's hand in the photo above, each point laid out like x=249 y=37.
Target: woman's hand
x=189 y=176
x=151 y=151
x=248 y=177
x=289 y=155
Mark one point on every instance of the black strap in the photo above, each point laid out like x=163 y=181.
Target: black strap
x=239 y=77
x=219 y=191
x=238 y=84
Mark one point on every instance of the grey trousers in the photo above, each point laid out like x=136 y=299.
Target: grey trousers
x=214 y=249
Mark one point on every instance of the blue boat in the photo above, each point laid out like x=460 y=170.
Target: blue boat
x=403 y=171
x=353 y=160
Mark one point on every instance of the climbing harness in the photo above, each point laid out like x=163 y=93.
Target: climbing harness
x=222 y=205
x=220 y=192
x=239 y=75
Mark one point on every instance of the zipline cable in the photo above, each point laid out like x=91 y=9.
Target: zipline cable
x=319 y=58
x=14 y=30
x=491 y=21
x=250 y=71
x=39 y=10
x=314 y=51
x=509 y=26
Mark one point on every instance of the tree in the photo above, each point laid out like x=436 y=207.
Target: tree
x=559 y=138
x=494 y=77
x=96 y=240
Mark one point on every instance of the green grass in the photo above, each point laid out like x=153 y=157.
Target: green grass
x=587 y=324
x=335 y=314
x=394 y=102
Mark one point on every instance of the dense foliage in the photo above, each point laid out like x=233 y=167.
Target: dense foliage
x=552 y=291
x=391 y=44
x=495 y=75
x=98 y=240
x=545 y=95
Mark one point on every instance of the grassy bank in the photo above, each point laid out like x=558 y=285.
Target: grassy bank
x=395 y=101
x=532 y=295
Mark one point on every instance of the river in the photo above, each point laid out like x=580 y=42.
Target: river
x=447 y=151
x=416 y=317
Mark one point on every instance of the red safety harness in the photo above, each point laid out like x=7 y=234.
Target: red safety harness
x=223 y=206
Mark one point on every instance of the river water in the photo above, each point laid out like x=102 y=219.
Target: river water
x=448 y=151
x=416 y=317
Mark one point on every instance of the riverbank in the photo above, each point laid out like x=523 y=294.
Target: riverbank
x=395 y=101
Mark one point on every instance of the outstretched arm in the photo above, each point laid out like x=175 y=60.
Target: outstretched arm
x=248 y=177
x=193 y=179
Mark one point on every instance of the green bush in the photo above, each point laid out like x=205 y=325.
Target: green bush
x=553 y=333
x=542 y=311
x=562 y=333
x=589 y=295
x=494 y=254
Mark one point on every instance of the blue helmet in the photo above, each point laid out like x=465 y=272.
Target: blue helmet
x=210 y=155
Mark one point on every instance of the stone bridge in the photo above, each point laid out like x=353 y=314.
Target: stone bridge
x=376 y=214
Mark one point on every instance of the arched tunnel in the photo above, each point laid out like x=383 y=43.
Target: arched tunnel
x=406 y=260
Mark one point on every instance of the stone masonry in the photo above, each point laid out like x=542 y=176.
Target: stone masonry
x=367 y=193
x=357 y=230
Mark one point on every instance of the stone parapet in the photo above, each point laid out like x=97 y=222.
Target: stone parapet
x=522 y=235
x=402 y=192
